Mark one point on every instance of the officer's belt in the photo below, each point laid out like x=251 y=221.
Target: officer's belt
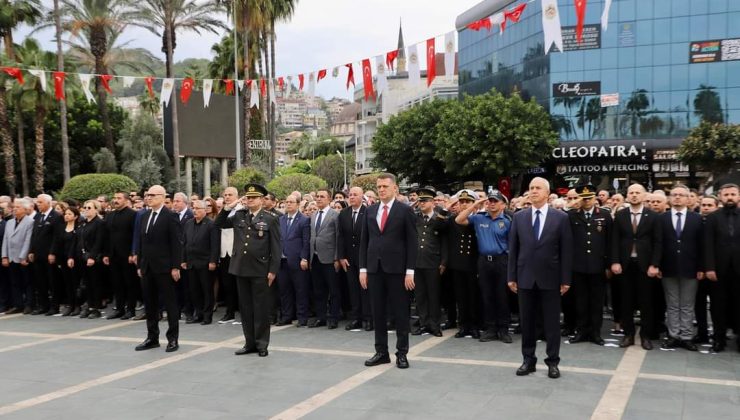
x=493 y=257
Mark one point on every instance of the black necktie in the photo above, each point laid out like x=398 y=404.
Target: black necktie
x=290 y=222
x=679 y=228
x=151 y=221
x=588 y=216
x=318 y=219
x=426 y=218
x=354 y=218
x=536 y=225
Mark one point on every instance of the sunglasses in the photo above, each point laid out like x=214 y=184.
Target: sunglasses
x=88 y=208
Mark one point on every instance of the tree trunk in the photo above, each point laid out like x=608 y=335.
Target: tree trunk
x=98 y=47
x=38 y=169
x=272 y=106
x=268 y=101
x=8 y=41
x=173 y=109
x=21 y=147
x=7 y=142
x=247 y=155
x=62 y=104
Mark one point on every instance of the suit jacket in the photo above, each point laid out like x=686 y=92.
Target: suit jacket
x=136 y=242
x=187 y=216
x=348 y=241
x=722 y=251
x=648 y=240
x=42 y=237
x=202 y=243
x=295 y=242
x=432 y=237
x=681 y=257
x=546 y=262
x=17 y=239
x=119 y=226
x=396 y=246
x=591 y=240
x=160 y=249
x=462 y=246
x=90 y=237
x=256 y=249
x=324 y=241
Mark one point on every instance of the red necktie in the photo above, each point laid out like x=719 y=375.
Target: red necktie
x=383 y=218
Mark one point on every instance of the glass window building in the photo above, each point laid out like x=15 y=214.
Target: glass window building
x=659 y=68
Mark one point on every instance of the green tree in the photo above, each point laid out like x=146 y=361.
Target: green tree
x=308 y=147
x=105 y=161
x=636 y=110
x=330 y=168
x=88 y=186
x=297 y=167
x=142 y=156
x=366 y=182
x=244 y=176
x=707 y=105
x=283 y=185
x=712 y=147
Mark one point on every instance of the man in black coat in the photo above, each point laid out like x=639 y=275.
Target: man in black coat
x=159 y=259
x=293 y=280
x=637 y=246
x=722 y=263
x=202 y=247
x=463 y=262
x=351 y=220
x=119 y=225
x=45 y=273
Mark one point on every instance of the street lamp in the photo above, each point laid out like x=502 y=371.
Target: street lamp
x=344 y=164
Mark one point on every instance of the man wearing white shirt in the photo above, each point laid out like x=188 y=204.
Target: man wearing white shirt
x=228 y=281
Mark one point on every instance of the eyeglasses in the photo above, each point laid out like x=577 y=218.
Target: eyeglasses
x=151 y=195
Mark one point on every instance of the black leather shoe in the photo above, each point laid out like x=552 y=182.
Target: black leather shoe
x=147 y=344
x=505 y=337
x=301 y=324
x=553 y=372
x=566 y=332
x=689 y=345
x=418 y=331
x=475 y=333
x=115 y=315
x=436 y=333
x=206 y=322
x=647 y=344
x=378 y=359
x=597 y=340
x=172 y=346
x=263 y=353
x=525 y=369
x=401 y=361
x=194 y=320
x=461 y=333
x=283 y=322
x=332 y=325
x=368 y=326
x=671 y=343
x=127 y=316
x=52 y=312
x=354 y=325
x=627 y=341
x=317 y=323
x=487 y=336
x=244 y=350
x=578 y=338
x=718 y=346
x=189 y=319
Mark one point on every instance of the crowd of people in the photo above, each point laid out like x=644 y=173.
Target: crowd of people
x=461 y=261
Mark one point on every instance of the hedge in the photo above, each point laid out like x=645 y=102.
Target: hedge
x=246 y=176
x=89 y=186
x=286 y=184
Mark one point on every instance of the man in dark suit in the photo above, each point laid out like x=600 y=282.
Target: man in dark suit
x=202 y=247
x=159 y=260
x=45 y=273
x=637 y=245
x=722 y=264
x=680 y=268
x=120 y=233
x=708 y=205
x=351 y=220
x=388 y=250
x=540 y=261
x=293 y=281
x=255 y=262
x=181 y=207
x=591 y=226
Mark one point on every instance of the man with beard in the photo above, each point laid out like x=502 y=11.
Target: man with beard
x=120 y=229
x=708 y=205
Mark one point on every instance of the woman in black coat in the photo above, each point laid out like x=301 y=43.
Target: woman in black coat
x=90 y=246
x=66 y=254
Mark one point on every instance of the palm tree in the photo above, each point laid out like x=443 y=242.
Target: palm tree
x=707 y=105
x=221 y=66
x=150 y=104
x=66 y=173
x=170 y=16
x=635 y=109
x=116 y=58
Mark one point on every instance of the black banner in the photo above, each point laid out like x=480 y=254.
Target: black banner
x=591 y=38
x=575 y=89
x=714 y=50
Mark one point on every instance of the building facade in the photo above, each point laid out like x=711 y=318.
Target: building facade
x=624 y=98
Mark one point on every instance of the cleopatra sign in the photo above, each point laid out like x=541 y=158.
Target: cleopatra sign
x=610 y=151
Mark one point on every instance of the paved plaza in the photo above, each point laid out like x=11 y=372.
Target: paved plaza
x=53 y=367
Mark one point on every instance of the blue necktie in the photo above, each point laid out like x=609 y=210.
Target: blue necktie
x=318 y=220
x=536 y=226
x=679 y=228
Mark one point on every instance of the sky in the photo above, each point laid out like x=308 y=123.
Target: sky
x=321 y=34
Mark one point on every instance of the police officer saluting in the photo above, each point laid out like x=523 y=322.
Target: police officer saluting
x=255 y=262
x=591 y=226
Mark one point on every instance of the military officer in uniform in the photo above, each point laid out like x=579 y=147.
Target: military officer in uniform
x=431 y=262
x=463 y=259
x=255 y=262
x=591 y=226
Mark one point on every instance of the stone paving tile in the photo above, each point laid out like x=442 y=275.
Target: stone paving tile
x=724 y=365
x=50 y=324
x=9 y=341
x=682 y=400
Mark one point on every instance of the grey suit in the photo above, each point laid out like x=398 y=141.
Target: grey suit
x=323 y=253
x=16 y=243
x=324 y=241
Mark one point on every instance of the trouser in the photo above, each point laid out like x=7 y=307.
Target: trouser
x=21 y=286
x=71 y=280
x=201 y=292
x=255 y=307
x=589 y=292
x=427 y=288
x=680 y=297
x=548 y=301
x=93 y=285
x=448 y=298
x=229 y=291
x=4 y=289
x=569 y=308
x=294 y=292
x=466 y=294
x=725 y=295
x=391 y=286
x=659 y=309
x=154 y=285
x=125 y=282
x=359 y=297
x=615 y=291
x=493 y=287
x=702 y=292
x=637 y=293
x=42 y=280
x=184 y=301
x=326 y=290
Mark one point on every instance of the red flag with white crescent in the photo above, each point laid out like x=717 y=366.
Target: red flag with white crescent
x=281 y=82
x=300 y=82
x=186 y=88
x=148 y=81
x=229 y=86
x=581 y=16
x=263 y=87
x=15 y=73
x=390 y=58
x=480 y=24
x=513 y=15
x=350 y=75
x=320 y=75
x=504 y=185
x=59 y=85
x=105 y=80
x=431 y=62
x=367 y=79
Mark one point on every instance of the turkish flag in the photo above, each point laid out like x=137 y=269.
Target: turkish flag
x=350 y=75
x=59 y=85
x=513 y=15
x=390 y=58
x=431 y=65
x=229 y=86
x=105 y=80
x=300 y=82
x=281 y=82
x=581 y=15
x=367 y=79
x=14 y=72
x=321 y=75
x=504 y=186
x=480 y=24
x=263 y=87
x=186 y=88
x=148 y=81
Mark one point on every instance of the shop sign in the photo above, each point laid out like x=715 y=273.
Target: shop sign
x=575 y=89
x=603 y=168
x=715 y=50
x=592 y=152
x=591 y=38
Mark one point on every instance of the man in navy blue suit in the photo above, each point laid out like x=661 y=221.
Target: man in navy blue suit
x=540 y=261
x=295 y=231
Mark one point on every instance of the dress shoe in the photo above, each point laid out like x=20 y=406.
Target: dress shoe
x=436 y=333
x=566 y=332
x=701 y=339
x=189 y=319
x=206 y=322
x=140 y=317
x=52 y=312
x=378 y=359
x=402 y=362
x=115 y=315
x=27 y=310
x=301 y=324
x=627 y=341
x=671 y=343
x=67 y=311
x=475 y=333
x=172 y=346
x=85 y=313
x=244 y=350
x=578 y=338
x=354 y=325
x=284 y=322
x=317 y=323
x=461 y=333
x=718 y=346
x=487 y=336
x=39 y=311
x=228 y=317
x=689 y=345
x=263 y=353
x=417 y=331
x=647 y=344
x=553 y=372
x=597 y=340
x=332 y=325
x=505 y=337
x=194 y=320
x=525 y=369
x=368 y=326
x=75 y=312
x=94 y=314
x=12 y=311
x=127 y=316
x=147 y=344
